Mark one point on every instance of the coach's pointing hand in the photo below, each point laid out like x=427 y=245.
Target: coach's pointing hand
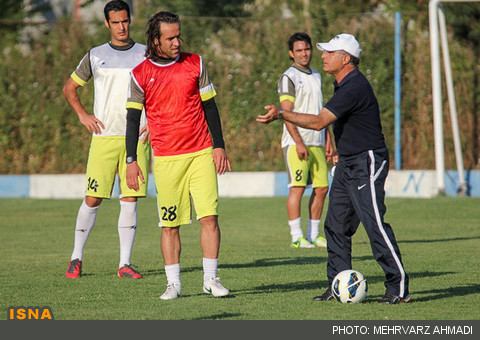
x=272 y=114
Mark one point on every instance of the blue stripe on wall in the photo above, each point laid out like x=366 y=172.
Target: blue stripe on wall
x=472 y=177
x=15 y=186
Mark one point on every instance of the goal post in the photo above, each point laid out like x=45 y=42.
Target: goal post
x=438 y=31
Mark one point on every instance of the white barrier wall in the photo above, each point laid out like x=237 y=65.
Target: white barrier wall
x=415 y=183
x=246 y=184
x=57 y=186
x=404 y=183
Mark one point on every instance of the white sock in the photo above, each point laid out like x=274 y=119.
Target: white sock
x=209 y=269
x=296 y=228
x=85 y=222
x=173 y=273
x=313 y=229
x=127 y=228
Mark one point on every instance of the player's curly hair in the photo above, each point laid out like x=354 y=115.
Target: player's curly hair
x=153 y=30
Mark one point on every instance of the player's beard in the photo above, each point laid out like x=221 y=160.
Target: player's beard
x=168 y=55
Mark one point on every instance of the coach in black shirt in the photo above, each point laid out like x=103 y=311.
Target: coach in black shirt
x=357 y=193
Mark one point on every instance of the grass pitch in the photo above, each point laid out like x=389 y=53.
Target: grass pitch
x=439 y=239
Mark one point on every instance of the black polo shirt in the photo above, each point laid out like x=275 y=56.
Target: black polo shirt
x=358 y=127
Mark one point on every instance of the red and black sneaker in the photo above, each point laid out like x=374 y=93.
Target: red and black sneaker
x=128 y=271
x=74 y=269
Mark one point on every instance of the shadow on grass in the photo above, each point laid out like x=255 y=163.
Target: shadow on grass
x=321 y=285
x=265 y=262
x=436 y=294
x=153 y=272
x=287 y=287
x=381 y=278
x=273 y=262
x=219 y=316
x=440 y=294
x=432 y=294
x=440 y=240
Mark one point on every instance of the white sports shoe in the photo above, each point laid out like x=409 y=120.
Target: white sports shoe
x=320 y=242
x=302 y=243
x=214 y=287
x=174 y=290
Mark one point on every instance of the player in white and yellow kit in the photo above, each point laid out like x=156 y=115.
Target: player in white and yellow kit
x=300 y=90
x=109 y=65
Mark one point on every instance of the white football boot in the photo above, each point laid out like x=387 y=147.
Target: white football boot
x=215 y=288
x=174 y=290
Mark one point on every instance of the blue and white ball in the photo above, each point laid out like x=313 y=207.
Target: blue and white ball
x=349 y=286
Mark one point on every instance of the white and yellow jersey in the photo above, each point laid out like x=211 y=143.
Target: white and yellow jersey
x=110 y=67
x=303 y=87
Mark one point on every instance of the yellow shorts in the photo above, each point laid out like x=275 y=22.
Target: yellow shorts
x=106 y=156
x=302 y=173
x=179 y=178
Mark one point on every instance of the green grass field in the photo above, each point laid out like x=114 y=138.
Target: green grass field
x=439 y=239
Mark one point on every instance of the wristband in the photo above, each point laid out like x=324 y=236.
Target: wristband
x=280 y=114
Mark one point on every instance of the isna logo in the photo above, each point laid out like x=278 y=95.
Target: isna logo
x=29 y=313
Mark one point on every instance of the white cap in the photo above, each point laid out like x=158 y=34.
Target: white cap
x=342 y=42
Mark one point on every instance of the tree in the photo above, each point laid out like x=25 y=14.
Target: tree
x=11 y=9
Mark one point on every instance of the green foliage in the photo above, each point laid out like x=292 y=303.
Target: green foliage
x=211 y=8
x=245 y=56
x=39 y=131
x=11 y=9
x=465 y=21
x=268 y=280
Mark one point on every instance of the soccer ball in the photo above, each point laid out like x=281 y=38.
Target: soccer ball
x=349 y=286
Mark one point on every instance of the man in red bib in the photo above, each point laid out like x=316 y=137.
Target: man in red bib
x=178 y=97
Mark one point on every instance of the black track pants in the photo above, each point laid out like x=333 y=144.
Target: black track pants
x=357 y=195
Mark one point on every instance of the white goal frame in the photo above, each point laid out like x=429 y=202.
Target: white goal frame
x=438 y=28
